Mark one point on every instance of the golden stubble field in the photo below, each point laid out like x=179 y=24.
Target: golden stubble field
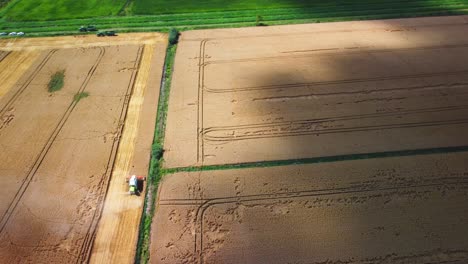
x=329 y=92
x=292 y=92
x=63 y=161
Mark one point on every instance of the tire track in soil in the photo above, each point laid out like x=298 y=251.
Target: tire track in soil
x=363 y=188
x=338 y=82
x=88 y=241
x=201 y=85
x=38 y=161
x=4 y=54
x=312 y=127
x=25 y=85
x=349 y=51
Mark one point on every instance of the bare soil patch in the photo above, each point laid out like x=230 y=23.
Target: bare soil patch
x=305 y=91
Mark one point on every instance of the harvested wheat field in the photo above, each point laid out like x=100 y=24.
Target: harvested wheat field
x=66 y=153
x=304 y=91
x=392 y=210
x=369 y=120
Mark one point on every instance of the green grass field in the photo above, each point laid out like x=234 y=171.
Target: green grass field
x=37 y=10
x=188 y=6
x=319 y=12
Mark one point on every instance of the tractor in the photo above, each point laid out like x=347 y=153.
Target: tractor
x=135 y=184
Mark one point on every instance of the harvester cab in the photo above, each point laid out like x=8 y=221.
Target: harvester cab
x=135 y=184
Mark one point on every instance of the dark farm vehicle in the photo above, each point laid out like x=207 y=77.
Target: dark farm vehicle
x=88 y=28
x=106 y=33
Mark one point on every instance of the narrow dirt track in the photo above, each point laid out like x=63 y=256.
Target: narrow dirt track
x=118 y=228
x=80 y=41
x=390 y=210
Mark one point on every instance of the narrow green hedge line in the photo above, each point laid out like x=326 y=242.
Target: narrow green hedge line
x=155 y=172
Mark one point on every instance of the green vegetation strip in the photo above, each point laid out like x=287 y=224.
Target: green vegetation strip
x=155 y=172
x=319 y=12
x=56 y=81
x=349 y=157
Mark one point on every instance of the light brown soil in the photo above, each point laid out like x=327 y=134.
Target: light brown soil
x=290 y=92
x=391 y=210
x=314 y=91
x=80 y=41
x=58 y=154
x=12 y=67
x=118 y=229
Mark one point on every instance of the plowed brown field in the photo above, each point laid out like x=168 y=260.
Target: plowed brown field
x=58 y=154
x=317 y=90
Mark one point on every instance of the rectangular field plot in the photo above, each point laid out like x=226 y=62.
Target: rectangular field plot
x=308 y=91
x=59 y=149
x=391 y=210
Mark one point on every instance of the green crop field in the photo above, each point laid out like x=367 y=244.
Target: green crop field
x=36 y=10
x=263 y=6
x=187 y=6
x=64 y=17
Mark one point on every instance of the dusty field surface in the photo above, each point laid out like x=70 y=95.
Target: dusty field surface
x=118 y=229
x=80 y=41
x=391 y=210
x=59 y=154
x=302 y=91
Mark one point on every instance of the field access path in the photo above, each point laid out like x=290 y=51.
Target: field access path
x=352 y=106
x=60 y=152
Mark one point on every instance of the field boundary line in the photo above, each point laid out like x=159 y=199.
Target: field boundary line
x=323 y=159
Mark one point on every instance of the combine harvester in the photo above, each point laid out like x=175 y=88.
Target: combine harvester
x=135 y=184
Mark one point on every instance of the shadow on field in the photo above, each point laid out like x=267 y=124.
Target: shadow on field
x=342 y=93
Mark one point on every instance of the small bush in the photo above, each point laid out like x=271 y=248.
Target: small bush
x=259 y=21
x=56 y=81
x=79 y=96
x=157 y=151
x=173 y=36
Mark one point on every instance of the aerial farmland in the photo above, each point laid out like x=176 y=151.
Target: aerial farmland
x=365 y=119
x=60 y=148
x=152 y=131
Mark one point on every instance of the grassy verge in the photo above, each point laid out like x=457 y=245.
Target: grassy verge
x=155 y=172
x=375 y=155
x=56 y=81
x=78 y=96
